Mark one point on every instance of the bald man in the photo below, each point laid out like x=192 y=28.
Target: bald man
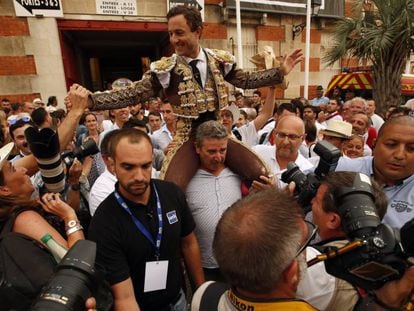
x=289 y=134
x=392 y=167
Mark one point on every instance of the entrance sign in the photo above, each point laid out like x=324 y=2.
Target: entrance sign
x=117 y=7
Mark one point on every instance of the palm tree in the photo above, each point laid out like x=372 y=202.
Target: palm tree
x=379 y=31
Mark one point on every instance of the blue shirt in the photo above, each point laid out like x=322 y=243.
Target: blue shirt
x=400 y=197
x=320 y=101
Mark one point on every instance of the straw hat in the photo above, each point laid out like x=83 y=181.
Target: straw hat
x=266 y=59
x=337 y=128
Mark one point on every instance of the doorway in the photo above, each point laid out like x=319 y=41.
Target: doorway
x=96 y=53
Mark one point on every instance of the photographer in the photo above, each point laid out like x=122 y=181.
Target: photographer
x=318 y=287
x=262 y=268
x=23 y=215
x=392 y=166
x=20 y=214
x=62 y=172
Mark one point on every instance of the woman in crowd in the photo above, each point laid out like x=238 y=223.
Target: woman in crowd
x=95 y=167
x=17 y=206
x=91 y=123
x=353 y=148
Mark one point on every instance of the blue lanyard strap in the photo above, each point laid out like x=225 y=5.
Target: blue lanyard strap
x=141 y=227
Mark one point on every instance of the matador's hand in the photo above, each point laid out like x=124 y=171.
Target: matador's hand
x=290 y=61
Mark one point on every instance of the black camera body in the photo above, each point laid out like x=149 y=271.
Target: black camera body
x=88 y=148
x=74 y=281
x=307 y=185
x=382 y=256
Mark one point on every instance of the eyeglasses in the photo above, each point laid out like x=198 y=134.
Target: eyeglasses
x=291 y=137
x=14 y=121
x=312 y=230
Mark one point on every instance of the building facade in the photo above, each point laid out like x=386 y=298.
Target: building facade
x=93 y=42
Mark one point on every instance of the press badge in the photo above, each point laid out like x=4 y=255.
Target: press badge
x=172 y=217
x=155 y=275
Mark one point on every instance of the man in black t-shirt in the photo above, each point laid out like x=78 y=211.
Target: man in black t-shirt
x=140 y=229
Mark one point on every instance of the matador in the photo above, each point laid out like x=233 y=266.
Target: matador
x=197 y=91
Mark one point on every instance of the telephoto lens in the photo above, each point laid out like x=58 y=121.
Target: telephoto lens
x=45 y=146
x=73 y=283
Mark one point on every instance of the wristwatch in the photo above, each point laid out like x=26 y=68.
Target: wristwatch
x=73 y=226
x=72 y=223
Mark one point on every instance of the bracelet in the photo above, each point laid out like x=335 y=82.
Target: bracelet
x=73 y=230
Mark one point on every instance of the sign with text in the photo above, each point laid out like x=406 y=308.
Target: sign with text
x=198 y=4
x=50 y=8
x=116 y=7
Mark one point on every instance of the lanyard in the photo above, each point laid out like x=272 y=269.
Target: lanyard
x=141 y=227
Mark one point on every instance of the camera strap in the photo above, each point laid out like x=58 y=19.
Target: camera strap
x=141 y=227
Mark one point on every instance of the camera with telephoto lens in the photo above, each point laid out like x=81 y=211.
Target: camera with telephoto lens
x=307 y=185
x=383 y=253
x=88 y=148
x=44 y=145
x=75 y=280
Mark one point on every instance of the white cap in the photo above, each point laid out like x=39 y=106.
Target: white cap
x=234 y=111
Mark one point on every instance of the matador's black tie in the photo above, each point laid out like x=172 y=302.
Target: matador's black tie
x=196 y=72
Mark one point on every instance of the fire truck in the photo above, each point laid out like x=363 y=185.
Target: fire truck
x=361 y=81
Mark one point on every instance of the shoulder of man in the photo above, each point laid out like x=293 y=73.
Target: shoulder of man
x=106 y=206
x=221 y=56
x=164 y=65
x=166 y=186
x=261 y=149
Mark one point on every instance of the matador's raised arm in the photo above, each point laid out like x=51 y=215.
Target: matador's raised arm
x=138 y=91
x=253 y=80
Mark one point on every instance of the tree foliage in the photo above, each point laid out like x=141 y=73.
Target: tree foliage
x=380 y=33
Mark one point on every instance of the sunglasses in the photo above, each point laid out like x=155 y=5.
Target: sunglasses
x=312 y=230
x=14 y=121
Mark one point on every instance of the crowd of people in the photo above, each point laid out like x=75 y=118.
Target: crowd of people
x=159 y=242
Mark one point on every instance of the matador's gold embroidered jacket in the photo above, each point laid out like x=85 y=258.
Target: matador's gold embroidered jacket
x=188 y=99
